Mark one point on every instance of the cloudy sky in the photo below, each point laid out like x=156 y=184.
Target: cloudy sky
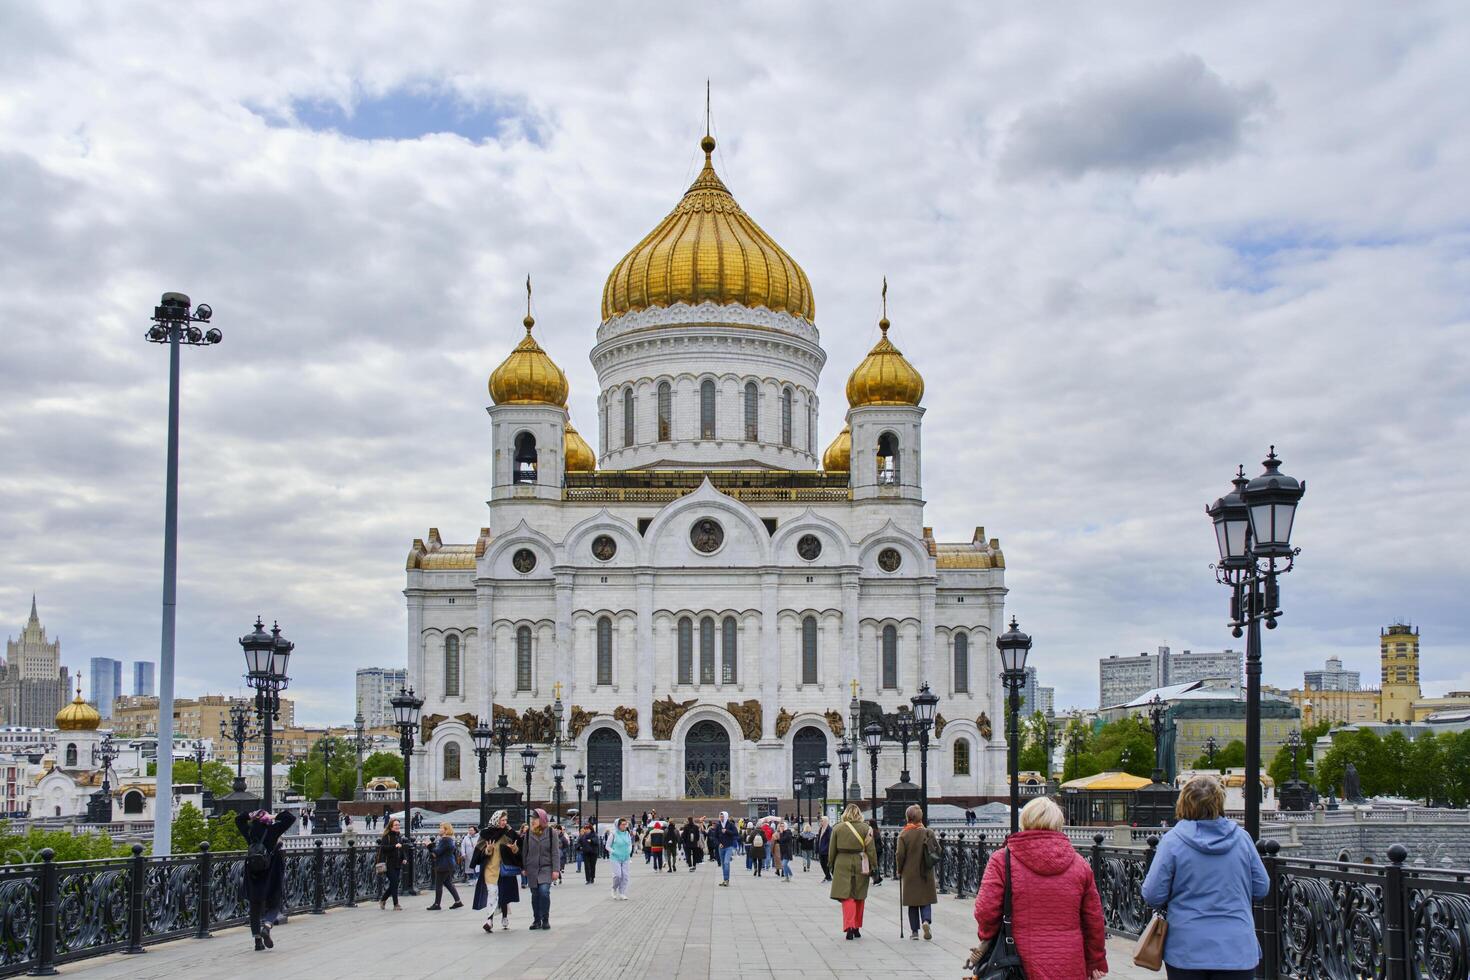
x=1129 y=246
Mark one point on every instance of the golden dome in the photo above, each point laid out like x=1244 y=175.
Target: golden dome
x=528 y=376
x=79 y=716
x=884 y=377
x=838 y=457
x=707 y=249
x=577 y=454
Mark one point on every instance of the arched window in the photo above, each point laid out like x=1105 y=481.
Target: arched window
x=523 y=658
x=451 y=760
x=890 y=658
x=132 y=802
x=786 y=417
x=665 y=412
x=451 y=666
x=604 y=650
x=730 y=664
x=962 y=757
x=525 y=461
x=71 y=755
x=888 y=459
x=686 y=650
x=809 y=650
x=752 y=412
x=707 y=650
x=962 y=663
x=707 y=410
x=628 y=417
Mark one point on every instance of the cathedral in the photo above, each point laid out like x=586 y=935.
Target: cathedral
x=710 y=594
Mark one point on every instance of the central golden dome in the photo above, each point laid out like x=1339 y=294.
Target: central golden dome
x=707 y=249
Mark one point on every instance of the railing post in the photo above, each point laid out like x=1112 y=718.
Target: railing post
x=201 y=931
x=46 y=922
x=1395 y=914
x=351 y=873
x=1097 y=840
x=1271 y=912
x=318 y=874
x=959 y=865
x=943 y=861
x=135 y=901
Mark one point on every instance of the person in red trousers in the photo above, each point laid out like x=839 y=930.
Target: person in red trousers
x=854 y=861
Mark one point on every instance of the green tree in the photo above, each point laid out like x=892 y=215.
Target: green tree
x=1364 y=749
x=1033 y=750
x=189 y=828
x=218 y=777
x=382 y=764
x=1427 y=775
x=224 y=835
x=1456 y=753
x=25 y=848
x=1077 y=741
x=1125 y=745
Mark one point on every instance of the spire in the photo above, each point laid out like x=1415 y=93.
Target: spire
x=708 y=143
x=529 y=321
x=34 y=618
x=883 y=323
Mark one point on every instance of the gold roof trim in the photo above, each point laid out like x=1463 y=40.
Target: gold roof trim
x=438 y=556
x=838 y=457
x=885 y=377
x=975 y=553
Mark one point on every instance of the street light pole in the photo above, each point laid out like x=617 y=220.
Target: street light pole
x=1156 y=710
x=844 y=761
x=359 y=738
x=236 y=728
x=873 y=736
x=1014 y=646
x=925 y=703
x=596 y=802
x=558 y=768
x=406 y=710
x=855 y=727
x=1211 y=747
x=483 y=739
x=528 y=763
x=267 y=656
x=173 y=324
x=824 y=770
x=580 y=778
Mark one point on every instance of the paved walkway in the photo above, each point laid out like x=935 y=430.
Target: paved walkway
x=674 y=926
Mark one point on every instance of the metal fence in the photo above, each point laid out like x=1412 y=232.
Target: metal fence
x=54 y=912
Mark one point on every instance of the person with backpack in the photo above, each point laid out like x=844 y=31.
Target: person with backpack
x=389 y=863
x=265 y=869
x=755 y=850
x=853 y=858
x=914 y=861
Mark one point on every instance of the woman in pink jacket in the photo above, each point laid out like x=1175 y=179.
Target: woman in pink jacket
x=1057 y=918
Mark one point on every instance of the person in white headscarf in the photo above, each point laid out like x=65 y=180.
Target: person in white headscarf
x=726 y=838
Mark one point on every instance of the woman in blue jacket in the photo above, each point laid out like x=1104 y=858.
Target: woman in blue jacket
x=1206 y=874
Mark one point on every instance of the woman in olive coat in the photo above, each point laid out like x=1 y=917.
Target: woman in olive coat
x=917 y=889
x=850 y=849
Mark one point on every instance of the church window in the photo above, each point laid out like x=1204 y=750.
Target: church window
x=628 y=417
x=730 y=664
x=752 y=412
x=133 y=802
x=890 y=658
x=961 y=663
x=707 y=650
x=451 y=666
x=962 y=757
x=786 y=417
x=686 y=651
x=525 y=459
x=707 y=410
x=71 y=755
x=809 y=650
x=888 y=459
x=665 y=412
x=451 y=760
x=604 y=650
x=523 y=658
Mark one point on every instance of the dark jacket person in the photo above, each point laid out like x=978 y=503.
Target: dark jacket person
x=264 y=886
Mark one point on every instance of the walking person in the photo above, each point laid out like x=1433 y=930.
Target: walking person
x=541 y=852
x=1206 y=873
x=755 y=848
x=497 y=856
x=590 y=848
x=726 y=839
x=853 y=858
x=1057 y=918
x=265 y=869
x=444 y=854
x=656 y=844
x=785 y=842
x=620 y=852
x=390 y=863
x=913 y=866
x=824 y=838
x=467 y=852
x=689 y=840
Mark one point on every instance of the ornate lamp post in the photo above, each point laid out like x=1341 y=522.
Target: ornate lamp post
x=810 y=779
x=173 y=324
x=528 y=764
x=406 y=710
x=844 y=762
x=1294 y=795
x=267 y=656
x=905 y=726
x=873 y=738
x=596 y=802
x=99 y=806
x=1014 y=646
x=1156 y=711
x=796 y=788
x=238 y=729
x=925 y=703
x=580 y=778
x=558 y=768
x=359 y=742
x=326 y=818
x=503 y=733
x=855 y=728
x=1211 y=747
x=824 y=770
x=484 y=740
x=1253 y=531
x=1074 y=744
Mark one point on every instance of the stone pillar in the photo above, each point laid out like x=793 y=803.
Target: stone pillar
x=770 y=654
x=926 y=633
x=643 y=681
x=416 y=676
x=850 y=635
x=484 y=625
x=562 y=670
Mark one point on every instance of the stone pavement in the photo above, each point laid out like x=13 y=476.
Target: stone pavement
x=674 y=926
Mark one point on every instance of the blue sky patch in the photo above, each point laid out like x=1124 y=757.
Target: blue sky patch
x=408 y=113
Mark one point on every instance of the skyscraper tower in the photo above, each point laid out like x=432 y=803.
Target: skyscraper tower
x=1398 y=654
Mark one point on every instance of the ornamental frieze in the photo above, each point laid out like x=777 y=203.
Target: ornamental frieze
x=629 y=717
x=427 y=724
x=748 y=715
x=783 y=722
x=666 y=714
x=577 y=720
x=836 y=723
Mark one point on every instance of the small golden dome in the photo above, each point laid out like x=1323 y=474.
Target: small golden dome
x=707 y=249
x=884 y=377
x=838 y=457
x=79 y=716
x=575 y=451
x=528 y=375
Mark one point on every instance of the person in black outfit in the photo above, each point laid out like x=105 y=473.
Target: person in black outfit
x=444 y=852
x=264 y=888
x=390 y=856
x=591 y=849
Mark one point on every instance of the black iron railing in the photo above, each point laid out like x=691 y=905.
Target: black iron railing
x=54 y=912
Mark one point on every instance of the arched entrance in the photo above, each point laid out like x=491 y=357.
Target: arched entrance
x=808 y=748
x=707 y=762
x=605 y=763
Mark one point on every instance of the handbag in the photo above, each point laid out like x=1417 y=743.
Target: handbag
x=1002 y=961
x=866 y=870
x=1148 y=952
x=381 y=867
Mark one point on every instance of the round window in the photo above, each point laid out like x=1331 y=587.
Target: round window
x=523 y=560
x=889 y=559
x=706 y=535
x=604 y=547
x=809 y=546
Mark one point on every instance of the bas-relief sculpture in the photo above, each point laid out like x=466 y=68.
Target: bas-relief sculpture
x=666 y=714
x=628 y=716
x=748 y=715
x=783 y=722
x=983 y=722
x=427 y=724
x=939 y=724
x=836 y=722
x=577 y=721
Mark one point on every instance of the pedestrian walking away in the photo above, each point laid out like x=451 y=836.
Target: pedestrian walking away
x=541 y=854
x=590 y=848
x=389 y=863
x=443 y=854
x=853 y=857
x=726 y=838
x=620 y=852
x=914 y=861
x=467 y=852
x=755 y=849
x=265 y=869
x=1206 y=873
x=824 y=838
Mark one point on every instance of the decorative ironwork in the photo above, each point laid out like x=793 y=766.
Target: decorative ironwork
x=171 y=887
x=92 y=902
x=20 y=903
x=707 y=762
x=1439 y=933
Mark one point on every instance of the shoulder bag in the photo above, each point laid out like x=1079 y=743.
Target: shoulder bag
x=1002 y=961
x=1148 y=952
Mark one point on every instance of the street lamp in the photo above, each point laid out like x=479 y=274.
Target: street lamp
x=99 y=807
x=238 y=729
x=844 y=762
x=1294 y=742
x=796 y=789
x=810 y=779
x=484 y=740
x=873 y=737
x=406 y=710
x=528 y=764
x=1014 y=646
x=905 y=726
x=1211 y=747
x=855 y=728
x=1253 y=532
x=1074 y=743
x=267 y=656
x=173 y=324
x=503 y=732
x=925 y=703
x=580 y=778
x=596 y=802
x=359 y=742
x=824 y=770
x=1156 y=711
x=558 y=768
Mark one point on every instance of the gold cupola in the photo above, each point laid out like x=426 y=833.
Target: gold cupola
x=528 y=376
x=884 y=377
x=707 y=250
x=578 y=456
x=838 y=457
x=79 y=716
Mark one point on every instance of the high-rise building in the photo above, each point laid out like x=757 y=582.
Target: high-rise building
x=375 y=688
x=106 y=683
x=33 y=684
x=1191 y=666
x=1332 y=678
x=142 y=679
x=1121 y=679
x=1046 y=700
x=1398 y=657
